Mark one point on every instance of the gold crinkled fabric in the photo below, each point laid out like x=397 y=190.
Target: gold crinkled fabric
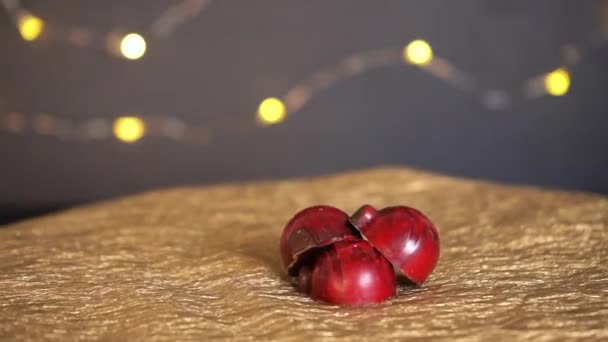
x=194 y=264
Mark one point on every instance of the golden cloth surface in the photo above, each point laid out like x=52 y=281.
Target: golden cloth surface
x=202 y=263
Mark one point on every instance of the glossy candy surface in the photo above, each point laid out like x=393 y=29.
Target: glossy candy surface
x=406 y=238
x=363 y=216
x=352 y=273
x=308 y=231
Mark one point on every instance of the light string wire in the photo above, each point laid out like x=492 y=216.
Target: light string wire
x=273 y=110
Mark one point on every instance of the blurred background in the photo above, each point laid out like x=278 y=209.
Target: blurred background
x=100 y=99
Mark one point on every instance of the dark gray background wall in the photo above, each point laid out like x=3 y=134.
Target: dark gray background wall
x=217 y=67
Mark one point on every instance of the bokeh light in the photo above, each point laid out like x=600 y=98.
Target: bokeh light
x=129 y=128
x=271 y=111
x=15 y=122
x=133 y=46
x=30 y=27
x=418 y=52
x=557 y=82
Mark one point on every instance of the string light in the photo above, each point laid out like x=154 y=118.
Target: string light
x=271 y=111
x=418 y=52
x=557 y=82
x=129 y=129
x=15 y=122
x=126 y=128
x=133 y=46
x=96 y=129
x=175 y=15
x=163 y=27
x=30 y=27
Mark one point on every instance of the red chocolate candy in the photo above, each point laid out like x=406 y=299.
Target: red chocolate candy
x=404 y=236
x=352 y=273
x=310 y=230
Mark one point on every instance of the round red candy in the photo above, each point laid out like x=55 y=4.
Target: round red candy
x=308 y=231
x=405 y=237
x=351 y=273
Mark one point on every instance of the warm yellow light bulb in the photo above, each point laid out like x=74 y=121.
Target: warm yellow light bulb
x=418 y=52
x=271 y=111
x=30 y=27
x=557 y=82
x=129 y=128
x=133 y=46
